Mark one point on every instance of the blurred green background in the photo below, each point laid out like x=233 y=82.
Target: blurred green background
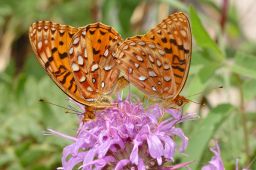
x=224 y=53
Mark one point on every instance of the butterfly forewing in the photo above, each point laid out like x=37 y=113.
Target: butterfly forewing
x=141 y=64
x=50 y=42
x=91 y=59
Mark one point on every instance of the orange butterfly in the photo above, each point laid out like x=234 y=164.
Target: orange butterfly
x=158 y=62
x=79 y=60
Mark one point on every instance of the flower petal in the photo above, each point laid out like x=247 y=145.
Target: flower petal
x=141 y=165
x=180 y=133
x=216 y=161
x=134 y=156
x=155 y=146
x=121 y=164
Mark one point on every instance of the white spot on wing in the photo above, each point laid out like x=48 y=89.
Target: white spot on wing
x=76 y=41
x=152 y=46
x=106 y=53
x=136 y=65
x=132 y=44
x=107 y=68
x=80 y=60
x=125 y=47
x=130 y=70
x=82 y=79
x=102 y=84
x=90 y=100
x=158 y=62
x=142 y=78
x=39 y=45
x=166 y=66
x=151 y=59
x=153 y=88
x=89 y=88
x=152 y=74
x=139 y=58
x=167 y=78
x=94 y=67
x=75 y=67
x=142 y=43
x=71 y=50
x=161 y=52
x=85 y=53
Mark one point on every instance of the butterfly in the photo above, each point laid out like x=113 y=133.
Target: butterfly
x=158 y=62
x=79 y=60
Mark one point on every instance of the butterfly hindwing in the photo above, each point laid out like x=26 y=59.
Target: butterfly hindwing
x=142 y=65
x=91 y=57
x=173 y=34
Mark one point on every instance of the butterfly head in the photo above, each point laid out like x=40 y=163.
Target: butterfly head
x=180 y=101
x=177 y=102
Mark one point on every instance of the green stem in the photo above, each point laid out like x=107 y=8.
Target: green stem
x=244 y=119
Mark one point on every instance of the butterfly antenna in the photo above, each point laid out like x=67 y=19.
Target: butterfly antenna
x=195 y=102
x=72 y=112
x=220 y=87
x=63 y=107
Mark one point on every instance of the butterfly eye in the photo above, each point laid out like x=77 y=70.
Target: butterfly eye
x=179 y=102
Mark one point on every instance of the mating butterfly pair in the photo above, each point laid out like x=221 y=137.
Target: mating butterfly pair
x=86 y=62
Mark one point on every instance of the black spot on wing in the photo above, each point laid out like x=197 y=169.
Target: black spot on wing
x=178 y=68
x=63 y=81
x=168 y=50
x=92 y=31
x=64 y=55
x=102 y=32
x=164 y=40
x=54 y=50
x=178 y=76
x=177 y=61
x=61 y=43
x=95 y=52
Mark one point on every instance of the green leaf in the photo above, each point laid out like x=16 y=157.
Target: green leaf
x=176 y=4
x=204 y=131
x=202 y=37
x=207 y=71
x=245 y=65
x=249 y=89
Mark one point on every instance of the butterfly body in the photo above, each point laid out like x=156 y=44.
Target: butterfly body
x=79 y=60
x=158 y=62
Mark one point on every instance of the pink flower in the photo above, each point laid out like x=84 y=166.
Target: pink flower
x=216 y=162
x=127 y=137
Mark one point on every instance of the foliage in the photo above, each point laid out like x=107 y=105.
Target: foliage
x=226 y=58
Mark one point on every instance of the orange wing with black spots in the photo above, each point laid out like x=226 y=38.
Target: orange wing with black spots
x=79 y=60
x=173 y=34
x=91 y=57
x=158 y=62
x=50 y=42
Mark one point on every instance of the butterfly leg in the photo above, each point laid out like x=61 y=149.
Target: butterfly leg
x=89 y=113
